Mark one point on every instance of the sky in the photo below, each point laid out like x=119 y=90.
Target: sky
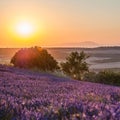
x=59 y=22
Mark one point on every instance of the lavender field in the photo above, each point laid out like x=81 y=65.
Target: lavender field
x=27 y=95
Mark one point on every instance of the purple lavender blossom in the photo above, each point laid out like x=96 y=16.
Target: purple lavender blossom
x=25 y=95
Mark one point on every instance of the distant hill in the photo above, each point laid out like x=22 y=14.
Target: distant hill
x=89 y=44
x=82 y=44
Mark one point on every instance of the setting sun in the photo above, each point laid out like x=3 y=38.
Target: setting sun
x=24 y=29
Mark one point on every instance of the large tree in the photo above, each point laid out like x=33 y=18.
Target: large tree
x=34 y=58
x=75 y=65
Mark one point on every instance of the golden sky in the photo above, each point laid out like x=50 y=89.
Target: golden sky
x=26 y=23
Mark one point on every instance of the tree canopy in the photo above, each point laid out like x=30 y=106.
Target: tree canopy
x=34 y=57
x=75 y=65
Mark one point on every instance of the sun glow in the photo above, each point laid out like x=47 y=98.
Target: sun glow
x=25 y=29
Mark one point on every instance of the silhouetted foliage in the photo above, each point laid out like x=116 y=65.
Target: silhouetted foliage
x=75 y=65
x=104 y=77
x=108 y=77
x=34 y=58
x=90 y=76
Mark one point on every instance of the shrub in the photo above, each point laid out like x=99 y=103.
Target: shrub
x=90 y=76
x=108 y=77
x=34 y=58
x=75 y=65
x=104 y=77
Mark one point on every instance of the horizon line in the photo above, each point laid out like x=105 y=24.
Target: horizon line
x=105 y=46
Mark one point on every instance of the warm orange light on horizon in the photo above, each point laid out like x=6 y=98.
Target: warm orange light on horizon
x=25 y=30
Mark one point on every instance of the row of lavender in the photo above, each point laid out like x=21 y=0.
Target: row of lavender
x=26 y=95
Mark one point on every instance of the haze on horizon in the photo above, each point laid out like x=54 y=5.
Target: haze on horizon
x=57 y=22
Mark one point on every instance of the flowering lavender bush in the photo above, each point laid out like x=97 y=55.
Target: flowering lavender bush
x=25 y=95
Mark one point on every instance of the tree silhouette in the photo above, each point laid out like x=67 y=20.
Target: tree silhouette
x=34 y=58
x=75 y=65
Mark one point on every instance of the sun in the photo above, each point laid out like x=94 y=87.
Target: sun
x=28 y=29
x=24 y=29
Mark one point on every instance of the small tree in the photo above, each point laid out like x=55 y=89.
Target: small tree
x=34 y=58
x=75 y=65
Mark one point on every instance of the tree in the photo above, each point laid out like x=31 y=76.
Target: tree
x=75 y=65
x=34 y=58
